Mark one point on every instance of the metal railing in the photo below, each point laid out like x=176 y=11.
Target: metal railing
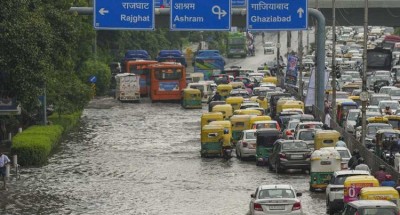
x=370 y=158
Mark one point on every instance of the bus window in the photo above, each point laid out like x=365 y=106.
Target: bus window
x=168 y=74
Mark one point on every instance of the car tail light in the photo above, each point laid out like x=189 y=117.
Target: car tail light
x=288 y=132
x=244 y=144
x=296 y=206
x=257 y=207
x=282 y=155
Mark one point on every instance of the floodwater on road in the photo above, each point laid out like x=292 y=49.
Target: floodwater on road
x=142 y=158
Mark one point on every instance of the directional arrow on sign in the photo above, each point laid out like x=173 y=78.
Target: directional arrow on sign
x=300 y=11
x=217 y=11
x=103 y=11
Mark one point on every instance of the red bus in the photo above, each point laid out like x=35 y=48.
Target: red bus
x=139 y=67
x=167 y=81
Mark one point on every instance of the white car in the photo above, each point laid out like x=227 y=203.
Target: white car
x=335 y=189
x=345 y=155
x=246 y=146
x=269 y=48
x=275 y=199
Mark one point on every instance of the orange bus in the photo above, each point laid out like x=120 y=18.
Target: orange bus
x=167 y=81
x=139 y=67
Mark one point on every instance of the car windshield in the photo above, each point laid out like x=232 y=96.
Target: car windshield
x=344 y=153
x=373 y=109
x=392 y=105
x=265 y=125
x=374 y=211
x=377 y=99
x=352 y=115
x=339 y=180
x=292 y=125
x=373 y=129
x=250 y=135
x=275 y=193
x=306 y=135
x=294 y=146
x=395 y=92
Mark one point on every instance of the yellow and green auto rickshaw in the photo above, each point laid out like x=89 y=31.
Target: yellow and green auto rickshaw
x=224 y=90
x=191 y=98
x=254 y=119
x=239 y=123
x=324 y=163
x=394 y=120
x=261 y=100
x=211 y=140
x=235 y=101
x=248 y=112
x=206 y=118
x=270 y=79
x=266 y=138
x=342 y=109
x=293 y=104
x=354 y=184
x=225 y=109
x=227 y=137
x=356 y=99
x=380 y=193
x=325 y=138
x=377 y=119
x=280 y=103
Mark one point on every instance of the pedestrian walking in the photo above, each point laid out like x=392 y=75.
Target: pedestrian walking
x=4 y=160
x=353 y=160
x=381 y=174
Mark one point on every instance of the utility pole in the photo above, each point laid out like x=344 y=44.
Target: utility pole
x=300 y=51
x=278 y=54
x=333 y=84
x=364 y=77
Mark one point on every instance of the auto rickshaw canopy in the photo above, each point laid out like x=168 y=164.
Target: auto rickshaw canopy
x=247 y=112
x=379 y=193
x=377 y=119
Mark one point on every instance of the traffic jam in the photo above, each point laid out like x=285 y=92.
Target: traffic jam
x=251 y=116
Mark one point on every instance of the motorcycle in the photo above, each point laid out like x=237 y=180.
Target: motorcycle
x=227 y=153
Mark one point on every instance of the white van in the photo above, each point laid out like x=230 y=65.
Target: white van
x=205 y=89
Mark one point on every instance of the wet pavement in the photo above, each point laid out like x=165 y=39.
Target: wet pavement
x=142 y=158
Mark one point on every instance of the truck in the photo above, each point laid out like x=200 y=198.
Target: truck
x=208 y=62
x=236 y=45
x=127 y=87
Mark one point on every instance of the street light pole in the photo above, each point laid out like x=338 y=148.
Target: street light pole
x=300 y=51
x=364 y=77
x=333 y=84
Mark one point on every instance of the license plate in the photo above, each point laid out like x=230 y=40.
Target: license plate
x=296 y=156
x=277 y=207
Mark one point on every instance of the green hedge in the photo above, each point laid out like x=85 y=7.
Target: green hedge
x=34 y=145
x=67 y=121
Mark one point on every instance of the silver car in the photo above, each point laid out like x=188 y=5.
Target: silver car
x=246 y=146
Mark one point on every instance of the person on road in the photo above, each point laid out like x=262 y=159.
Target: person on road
x=388 y=182
x=341 y=143
x=362 y=166
x=265 y=66
x=381 y=174
x=353 y=160
x=216 y=97
x=4 y=160
x=387 y=111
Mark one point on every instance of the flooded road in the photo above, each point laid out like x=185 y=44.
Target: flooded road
x=143 y=158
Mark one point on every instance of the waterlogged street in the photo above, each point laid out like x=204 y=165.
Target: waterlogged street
x=143 y=158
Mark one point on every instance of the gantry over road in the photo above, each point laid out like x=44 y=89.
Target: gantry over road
x=348 y=13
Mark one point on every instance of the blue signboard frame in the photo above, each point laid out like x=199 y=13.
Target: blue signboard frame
x=200 y=15
x=277 y=15
x=239 y=3
x=164 y=3
x=123 y=15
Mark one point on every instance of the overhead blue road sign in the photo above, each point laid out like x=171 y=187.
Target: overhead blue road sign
x=277 y=15
x=200 y=15
x=124 y=14
x=238 y=3
x=162 y=3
